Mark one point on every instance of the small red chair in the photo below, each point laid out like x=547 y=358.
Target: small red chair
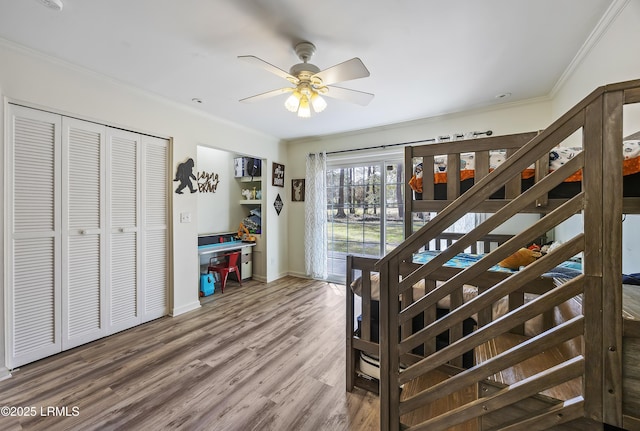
x=225 y=268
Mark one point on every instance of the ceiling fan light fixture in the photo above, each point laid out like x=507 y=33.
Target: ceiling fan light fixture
x=293 y=101
x=318 y=102
x=304 y=111
x=309 y=83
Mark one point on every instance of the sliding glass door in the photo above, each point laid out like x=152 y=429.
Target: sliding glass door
x=364 y=211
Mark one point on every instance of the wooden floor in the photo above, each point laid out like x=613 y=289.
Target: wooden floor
x=258 y=357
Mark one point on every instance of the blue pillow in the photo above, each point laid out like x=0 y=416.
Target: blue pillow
x=631 y=279
x=562 y=273
x=571 y=265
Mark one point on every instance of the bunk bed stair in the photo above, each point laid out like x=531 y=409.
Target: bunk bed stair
x=544 y=401
x=541 y=406
x=590 y=325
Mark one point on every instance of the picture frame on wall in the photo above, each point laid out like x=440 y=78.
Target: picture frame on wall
x=277 y=175
x=297 y=190
x=278 y=204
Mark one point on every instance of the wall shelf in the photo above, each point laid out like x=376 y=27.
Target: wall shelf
x=249 y=179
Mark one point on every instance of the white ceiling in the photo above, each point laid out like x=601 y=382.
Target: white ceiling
x=426 y=57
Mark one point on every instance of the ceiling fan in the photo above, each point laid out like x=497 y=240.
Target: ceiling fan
x=310 y=83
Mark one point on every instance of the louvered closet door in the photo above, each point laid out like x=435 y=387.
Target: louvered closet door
x=155 y=166
x=83 y=286
x=33 y=183
x=124 y=249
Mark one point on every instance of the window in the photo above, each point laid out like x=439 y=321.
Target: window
x=365 y=211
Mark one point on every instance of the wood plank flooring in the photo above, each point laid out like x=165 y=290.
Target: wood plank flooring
x=258 y=357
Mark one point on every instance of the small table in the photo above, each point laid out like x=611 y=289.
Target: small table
x=222 y=247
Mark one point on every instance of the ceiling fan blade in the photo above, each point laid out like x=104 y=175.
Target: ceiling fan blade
x=269 y=67
x=353 y=96
x=268 y=94
x=350 y=69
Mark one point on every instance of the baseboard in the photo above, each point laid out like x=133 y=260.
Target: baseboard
x=282 y=275
x=185 y=308
x=4 y=373
x=298 y=274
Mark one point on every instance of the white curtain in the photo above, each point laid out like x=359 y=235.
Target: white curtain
x=315 y=206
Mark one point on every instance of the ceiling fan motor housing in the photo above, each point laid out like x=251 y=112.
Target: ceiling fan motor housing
x=298 y=70
x=304 y=70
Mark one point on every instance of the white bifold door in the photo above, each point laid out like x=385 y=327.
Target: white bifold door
x=87 y=232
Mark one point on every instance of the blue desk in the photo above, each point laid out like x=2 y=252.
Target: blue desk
x=223 y=246
x=245 y=264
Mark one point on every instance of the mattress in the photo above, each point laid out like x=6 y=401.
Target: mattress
x=418 y=290
x=565 y=271
x=557 y=157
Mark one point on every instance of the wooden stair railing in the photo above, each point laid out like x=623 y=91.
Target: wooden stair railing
x=599 y=116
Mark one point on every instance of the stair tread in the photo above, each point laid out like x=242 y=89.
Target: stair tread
x=529 y=367
x=440 y=406
x=630 y=303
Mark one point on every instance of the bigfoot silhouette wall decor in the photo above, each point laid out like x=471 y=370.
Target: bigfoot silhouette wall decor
x=184 y=174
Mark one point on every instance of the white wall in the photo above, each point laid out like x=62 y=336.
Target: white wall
x=39 y=81
x=4 y=372
x=218 y=212
x=610 y=58
x=630 y=247
x=276 y=237
x=502 y=120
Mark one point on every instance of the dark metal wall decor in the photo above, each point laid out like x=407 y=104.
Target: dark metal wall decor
x=184 y=174
x=278 y=204
x=208 y=182
x=278 y=175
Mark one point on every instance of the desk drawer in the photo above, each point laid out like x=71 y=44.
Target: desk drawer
x=246 y=269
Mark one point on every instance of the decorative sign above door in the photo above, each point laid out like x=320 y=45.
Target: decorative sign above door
x=208 y=182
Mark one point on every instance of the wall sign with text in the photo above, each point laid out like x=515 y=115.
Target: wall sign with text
x=278 y=175
x=208 y=182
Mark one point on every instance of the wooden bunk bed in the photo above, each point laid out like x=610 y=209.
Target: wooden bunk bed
x=363 y=296
x=601 y=336
x=439 y=188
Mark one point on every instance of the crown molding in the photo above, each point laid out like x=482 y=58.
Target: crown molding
x=616 y=7
x=182 y=106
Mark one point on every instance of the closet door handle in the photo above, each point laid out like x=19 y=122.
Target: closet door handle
x=89 y=231
x=127 y=229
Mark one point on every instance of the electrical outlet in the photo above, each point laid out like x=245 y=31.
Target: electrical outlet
x=185 y=217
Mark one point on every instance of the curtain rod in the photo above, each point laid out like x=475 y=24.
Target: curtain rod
x=440 y=138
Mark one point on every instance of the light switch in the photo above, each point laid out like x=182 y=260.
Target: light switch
x=185 y=217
